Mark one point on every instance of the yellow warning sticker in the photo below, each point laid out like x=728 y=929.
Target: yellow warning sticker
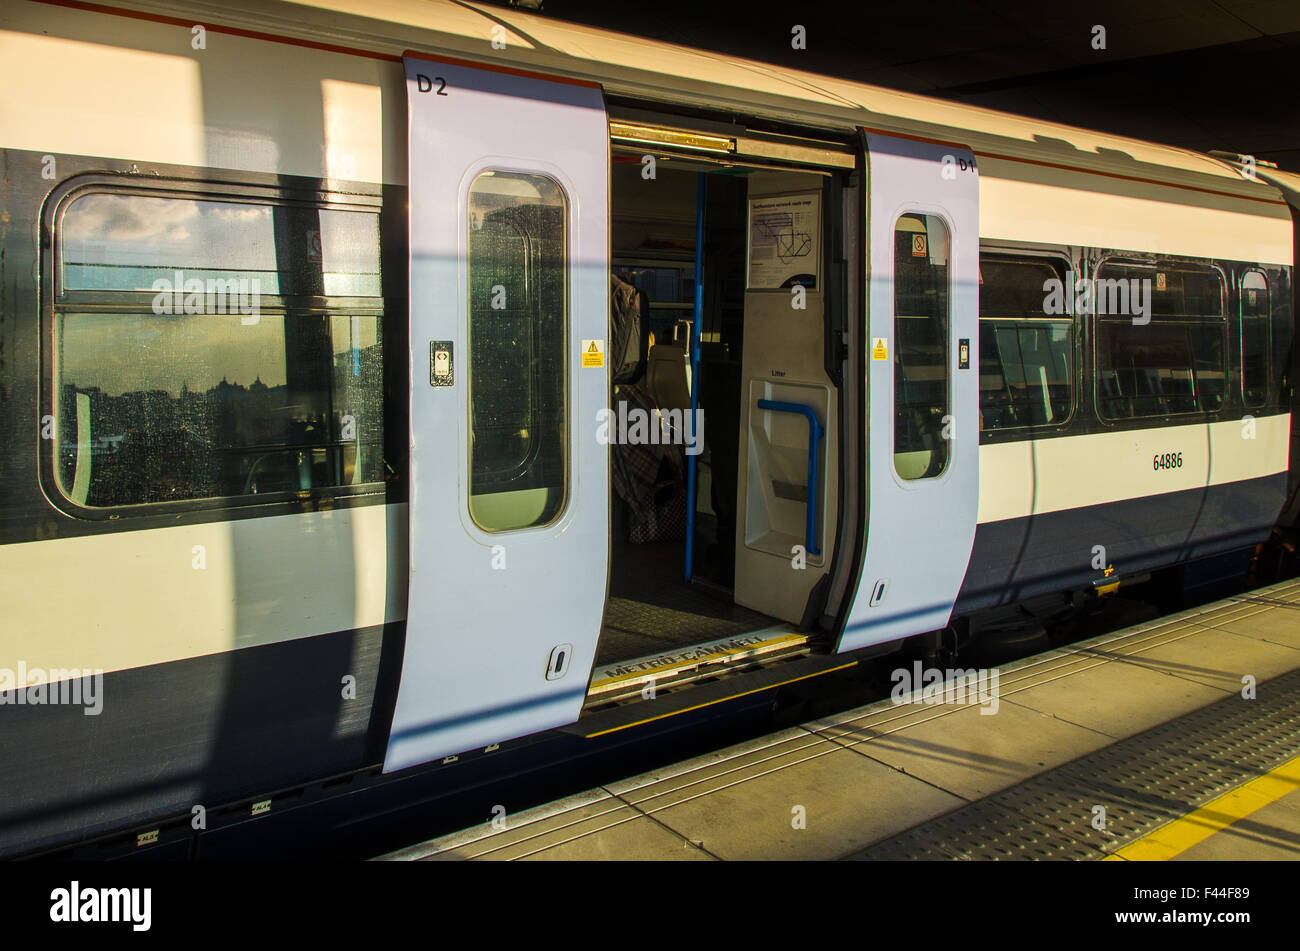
x=593 y=353
x=879 y=348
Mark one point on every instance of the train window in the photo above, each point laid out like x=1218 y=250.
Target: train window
x=1165 y=353
x=1026 y=355
x=1256 y=318
x=185 y=370
x=121 y=242
x=921 y=359
x=518 y=348
x=1179 y=291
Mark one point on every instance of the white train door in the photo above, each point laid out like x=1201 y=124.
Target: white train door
x=923 y=385
x=509 y=507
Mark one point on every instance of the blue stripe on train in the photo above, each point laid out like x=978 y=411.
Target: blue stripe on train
x=1019 y=558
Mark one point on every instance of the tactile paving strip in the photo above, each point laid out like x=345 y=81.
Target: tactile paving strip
x=1141 y=783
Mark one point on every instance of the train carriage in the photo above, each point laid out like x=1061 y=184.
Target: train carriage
x=382 y=385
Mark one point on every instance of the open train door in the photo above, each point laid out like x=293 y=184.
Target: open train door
x=509 y=506
x=922 y=378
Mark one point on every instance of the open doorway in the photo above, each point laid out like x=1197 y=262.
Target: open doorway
x=674 y=548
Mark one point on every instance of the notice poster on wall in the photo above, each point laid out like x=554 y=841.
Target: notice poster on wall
x=784 y=241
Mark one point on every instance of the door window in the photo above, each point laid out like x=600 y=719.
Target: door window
x=518 y=304
x=922 y=417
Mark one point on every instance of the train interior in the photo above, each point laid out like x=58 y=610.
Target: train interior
x=674 y=561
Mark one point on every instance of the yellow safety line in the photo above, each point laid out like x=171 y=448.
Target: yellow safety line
x=733 y=696
x=1216 y=815
x=696 y=661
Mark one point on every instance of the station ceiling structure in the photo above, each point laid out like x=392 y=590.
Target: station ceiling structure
x=1200 y=74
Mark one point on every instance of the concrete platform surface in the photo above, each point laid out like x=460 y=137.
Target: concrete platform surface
x=1104 y=749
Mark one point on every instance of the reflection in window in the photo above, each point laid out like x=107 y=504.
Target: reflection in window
x=204 y=401
x=119 y=242
x=1025 y=373
x=921 y=372
x=1176 y=290
x=1026 y=360
x=198 y=407
x=517 y=350
x=1175 y=364
x=1256 y=316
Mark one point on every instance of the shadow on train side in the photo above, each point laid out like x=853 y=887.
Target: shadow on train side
x=180 y=741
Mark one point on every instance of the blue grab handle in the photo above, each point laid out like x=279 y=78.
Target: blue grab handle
x=815 y=433
x=694 y=351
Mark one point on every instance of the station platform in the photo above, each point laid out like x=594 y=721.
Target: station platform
x=1174 y=739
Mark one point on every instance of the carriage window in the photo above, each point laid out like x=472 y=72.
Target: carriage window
x=1173 y=363
x=921 y=364
x=120 y=242
x=1026 y=354
x=1256 y=316
x=200 y=351
x=1178 y=291
x=517 y=350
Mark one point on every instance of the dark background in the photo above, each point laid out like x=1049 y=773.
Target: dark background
x=1200 y=74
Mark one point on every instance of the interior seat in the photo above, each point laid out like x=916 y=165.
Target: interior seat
x=668 y=371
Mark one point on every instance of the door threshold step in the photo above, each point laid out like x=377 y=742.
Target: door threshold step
x=670 y=668
x=775 y=673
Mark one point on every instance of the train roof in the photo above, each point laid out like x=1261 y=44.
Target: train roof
x=1040 y=182
x=1287 y=182
x=635 y=67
